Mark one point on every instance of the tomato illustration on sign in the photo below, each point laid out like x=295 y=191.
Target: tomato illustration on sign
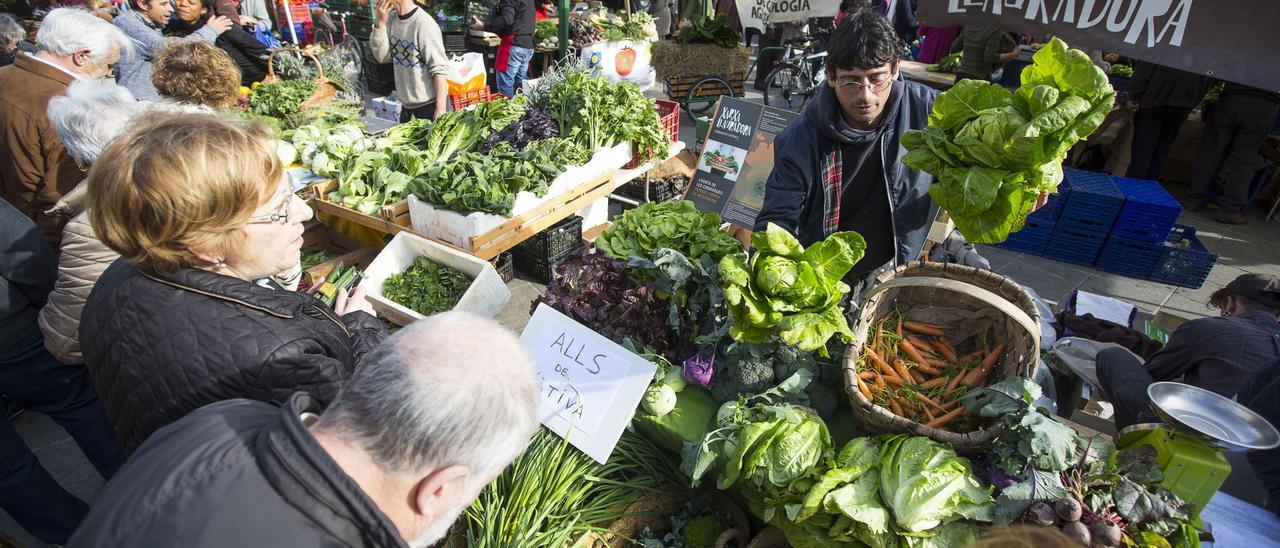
x=625 y=61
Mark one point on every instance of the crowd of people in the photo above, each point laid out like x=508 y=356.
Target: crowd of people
x=150 y=258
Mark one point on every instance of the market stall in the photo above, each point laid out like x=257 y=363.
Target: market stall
x=901 y=416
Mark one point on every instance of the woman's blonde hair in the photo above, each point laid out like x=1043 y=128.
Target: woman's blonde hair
x=196 y=72
x=179 y=182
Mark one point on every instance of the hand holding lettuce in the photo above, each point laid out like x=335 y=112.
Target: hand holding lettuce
x=994 y=151
x=791 y=291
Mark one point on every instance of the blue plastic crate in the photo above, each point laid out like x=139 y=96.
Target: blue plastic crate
x=1183 y=260
x=1093 y=201
x=1051 y=209
x=1129 y=257
x=1149 y=210
x=1033 y=238
x=1072 y=245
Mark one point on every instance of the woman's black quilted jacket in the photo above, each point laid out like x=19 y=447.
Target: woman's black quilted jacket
x=159 y=347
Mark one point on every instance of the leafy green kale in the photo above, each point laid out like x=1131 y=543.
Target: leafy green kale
x=789 y=291
x=426 y=287
x=677 y=225
x=709 y=30
x=993 y=151
x=280 y=99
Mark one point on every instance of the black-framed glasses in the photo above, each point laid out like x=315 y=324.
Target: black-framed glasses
x=280 y=215
x=856 y=85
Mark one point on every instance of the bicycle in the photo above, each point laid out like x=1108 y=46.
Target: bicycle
x=797 y=77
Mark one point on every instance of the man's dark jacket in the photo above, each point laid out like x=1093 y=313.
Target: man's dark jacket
x=28 y=269
x=159 y=347
x=1262 y=394
x=1218 y=354
x=236 y=474
x=796 y=197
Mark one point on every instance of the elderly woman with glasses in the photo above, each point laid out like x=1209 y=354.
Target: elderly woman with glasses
x=200 y=210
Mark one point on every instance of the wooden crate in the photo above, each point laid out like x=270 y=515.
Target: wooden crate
x=351 y=251
x=391 y=219
x=522 y=227
x=679 y=87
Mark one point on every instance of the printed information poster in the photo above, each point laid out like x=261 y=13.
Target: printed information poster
x=737 y=159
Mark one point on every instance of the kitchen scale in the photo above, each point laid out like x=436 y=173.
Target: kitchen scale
x=1199 y=427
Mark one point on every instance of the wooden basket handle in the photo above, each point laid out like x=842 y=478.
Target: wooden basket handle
x=271 y=70
x=1000 y=303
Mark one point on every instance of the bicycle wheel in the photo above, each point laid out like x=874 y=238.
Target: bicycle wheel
x=705 y=93
x=787 y=87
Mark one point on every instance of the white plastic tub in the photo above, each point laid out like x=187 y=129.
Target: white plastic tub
x=486 y=296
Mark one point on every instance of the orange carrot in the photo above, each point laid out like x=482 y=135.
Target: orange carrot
x=935 y=423
x=901 y=369
x=891 y=379
x=921 y=363
x=929 y=415
x=974 y=377
x=955 y=381
x=897 y=409
x=933 y=383
x=921 y=345
x=867 y=375
x=973 y=355
x=929 y=401
x=899 y=327
x=879 y=381
x=917 y=376
x=866 y=392
x=923 y=329
x=880 y=363
x=945 y=350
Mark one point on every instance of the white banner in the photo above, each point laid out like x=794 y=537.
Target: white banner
x=755 y=13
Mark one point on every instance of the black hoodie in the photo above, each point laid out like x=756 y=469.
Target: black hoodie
x=795 y=196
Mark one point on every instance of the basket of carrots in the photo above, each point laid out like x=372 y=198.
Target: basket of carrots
x=926 y=334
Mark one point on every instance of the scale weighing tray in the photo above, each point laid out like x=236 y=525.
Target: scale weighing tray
x=1192 y=409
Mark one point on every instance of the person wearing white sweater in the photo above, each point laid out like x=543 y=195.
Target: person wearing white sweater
x=411 y=40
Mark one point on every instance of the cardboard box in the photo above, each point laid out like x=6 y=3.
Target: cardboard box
x=486 y=296
x=350 y=250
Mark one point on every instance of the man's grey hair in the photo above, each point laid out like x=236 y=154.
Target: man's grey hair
x=65 y=31
x=11 y=31
x=91 y=115
x=451 y=389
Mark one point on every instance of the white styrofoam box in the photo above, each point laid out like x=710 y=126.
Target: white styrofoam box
x=458 y=229
x=486 y=296
x=595 y=214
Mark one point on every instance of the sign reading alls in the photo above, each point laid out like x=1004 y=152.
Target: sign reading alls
x=590 y=386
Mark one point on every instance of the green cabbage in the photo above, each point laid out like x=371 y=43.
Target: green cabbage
x=926 y=485
x=789 y=291
x=993 y=151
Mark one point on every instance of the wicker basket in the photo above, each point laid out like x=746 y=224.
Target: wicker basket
x=325 y=88
x=962 y=300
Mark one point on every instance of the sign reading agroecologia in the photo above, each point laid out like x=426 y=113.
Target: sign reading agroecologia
x=755 y=13
x=1235 y=41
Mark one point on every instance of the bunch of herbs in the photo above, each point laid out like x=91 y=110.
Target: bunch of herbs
x=426 y=287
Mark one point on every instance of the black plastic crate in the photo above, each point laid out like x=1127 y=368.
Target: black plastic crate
x=536 y=256
x=505 y=265
x=455 y=42
x=660 y=190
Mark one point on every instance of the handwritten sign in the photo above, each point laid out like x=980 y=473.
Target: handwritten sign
x=590 y=386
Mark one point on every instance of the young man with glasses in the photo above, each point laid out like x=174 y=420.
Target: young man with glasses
x=837 y=167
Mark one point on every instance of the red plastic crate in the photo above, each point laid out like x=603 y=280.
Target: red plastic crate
x=469 y=98
x=669 y=118
x=301 y=12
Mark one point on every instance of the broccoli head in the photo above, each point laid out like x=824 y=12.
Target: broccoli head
x=701 y=532
x=742 y=369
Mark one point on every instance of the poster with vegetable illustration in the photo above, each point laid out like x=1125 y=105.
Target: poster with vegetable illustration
x=736 y=160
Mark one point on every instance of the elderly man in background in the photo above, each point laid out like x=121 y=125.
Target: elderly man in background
x=406 y=446
x=11 y=34
x=35 y=169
